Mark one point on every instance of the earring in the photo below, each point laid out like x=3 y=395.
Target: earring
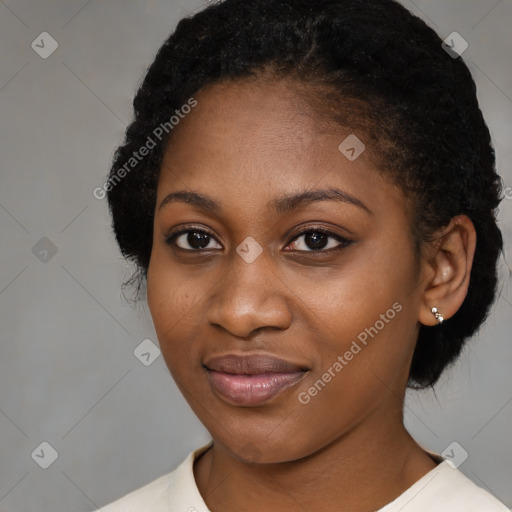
x=439 y=316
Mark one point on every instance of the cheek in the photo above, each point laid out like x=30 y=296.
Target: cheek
x=174 y=302
x=344 y=301
x=172 y=292
x=366 y=316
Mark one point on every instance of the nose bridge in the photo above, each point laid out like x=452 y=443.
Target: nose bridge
x=251 y=268
x=249 y=296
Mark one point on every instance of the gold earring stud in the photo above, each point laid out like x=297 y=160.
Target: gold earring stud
x=439 y=316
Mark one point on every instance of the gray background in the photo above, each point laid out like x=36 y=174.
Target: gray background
x=68 y=374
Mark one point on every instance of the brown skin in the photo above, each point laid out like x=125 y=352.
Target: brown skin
x=347 y=449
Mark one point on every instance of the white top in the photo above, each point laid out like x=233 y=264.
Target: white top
x=443 y=489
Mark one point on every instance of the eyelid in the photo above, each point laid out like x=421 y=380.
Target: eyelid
x=187 y=229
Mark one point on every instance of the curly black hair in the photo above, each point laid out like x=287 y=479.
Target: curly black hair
x=387 y=72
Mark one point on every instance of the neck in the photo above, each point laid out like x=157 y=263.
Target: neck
x=361 y=470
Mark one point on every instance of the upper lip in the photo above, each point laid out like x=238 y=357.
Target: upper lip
x=253 y=364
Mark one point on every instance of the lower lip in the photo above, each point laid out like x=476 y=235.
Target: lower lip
x=252 y=390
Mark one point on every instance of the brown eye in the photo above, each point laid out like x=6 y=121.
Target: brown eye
x=191 y=240
x=316 y=239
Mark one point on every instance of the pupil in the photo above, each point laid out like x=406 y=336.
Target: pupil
x=317 y=240
x=198 y=240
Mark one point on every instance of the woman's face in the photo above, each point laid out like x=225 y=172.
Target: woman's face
x=281 y=342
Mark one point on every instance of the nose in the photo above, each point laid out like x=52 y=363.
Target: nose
x=250 y=297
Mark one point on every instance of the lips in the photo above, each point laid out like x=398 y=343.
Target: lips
x=251 y=380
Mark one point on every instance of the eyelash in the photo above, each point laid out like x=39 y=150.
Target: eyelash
x=344 y=242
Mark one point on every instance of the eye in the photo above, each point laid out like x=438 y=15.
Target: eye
x=196 y=239
x=317 y=240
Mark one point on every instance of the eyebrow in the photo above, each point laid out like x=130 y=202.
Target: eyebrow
x=295 y=201
x=282 y=204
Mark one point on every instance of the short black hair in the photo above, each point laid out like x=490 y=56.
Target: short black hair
x=419 y=111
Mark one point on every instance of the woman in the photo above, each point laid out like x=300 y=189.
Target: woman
x=309 y=190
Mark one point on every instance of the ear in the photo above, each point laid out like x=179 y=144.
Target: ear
x=447 y=268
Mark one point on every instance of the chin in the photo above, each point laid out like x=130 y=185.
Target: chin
x=273 y=449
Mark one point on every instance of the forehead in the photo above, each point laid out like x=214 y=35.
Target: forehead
x=248 y=142
x=238 y=119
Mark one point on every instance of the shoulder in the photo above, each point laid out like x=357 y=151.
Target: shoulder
x=152 y=496
x=445 y=489
x=460 y=491
x=171 y=492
